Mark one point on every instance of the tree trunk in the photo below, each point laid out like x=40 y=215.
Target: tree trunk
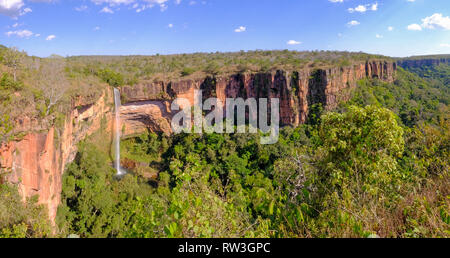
x=14 y=72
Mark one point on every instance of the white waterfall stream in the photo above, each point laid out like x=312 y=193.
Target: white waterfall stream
x=117 y=132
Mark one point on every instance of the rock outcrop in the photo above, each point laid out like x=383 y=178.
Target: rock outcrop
x=36 y=162
x=139 y=117
x=147 y=104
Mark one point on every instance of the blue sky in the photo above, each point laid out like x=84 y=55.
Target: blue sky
x=122 y=27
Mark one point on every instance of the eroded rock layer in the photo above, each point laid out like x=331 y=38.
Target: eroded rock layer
x=297 y=91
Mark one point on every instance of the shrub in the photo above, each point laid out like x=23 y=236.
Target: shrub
x=113 y=78
x=187 y=71
x=7 y=82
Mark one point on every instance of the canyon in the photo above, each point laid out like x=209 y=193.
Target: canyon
x=36 y=161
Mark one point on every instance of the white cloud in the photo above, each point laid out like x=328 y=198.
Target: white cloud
x=414 y=27
x=81 y=8
x=378 y=36
x=374 y=7
x=293 y=42
x=364 y=8
x=139 y=5
x=51 y=37
x=170 y=25
x=390 y=28
x=20 y=33
x=444 y=45
x=359 y=8
x=113 y=2
x=96 y=28
x=106 y=10
x=432 y=22
x=11 y=8
x=336 y=1
x=26 y=10
x=436 y=20
x=16 y=8
x=143 y=7
x=240 y=29
x=353 y=23
x=43 y=1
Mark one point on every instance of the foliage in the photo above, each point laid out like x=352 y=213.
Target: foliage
x=18 y=219
x=5 y=127
x=362 y=145
x=187 y=71
x=13 y=58
x=8 y=83
x=413 y=98
x=114 y=79
x=139 y=68
x=90 y=188
x=358 y=174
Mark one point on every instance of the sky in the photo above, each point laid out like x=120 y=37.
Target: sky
x=395 y=28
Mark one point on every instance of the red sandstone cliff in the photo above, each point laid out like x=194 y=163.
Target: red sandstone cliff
x=297 y=91
x=36 y=162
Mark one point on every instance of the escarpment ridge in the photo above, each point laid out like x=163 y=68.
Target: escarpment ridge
x=430 y=61
x=297 y=91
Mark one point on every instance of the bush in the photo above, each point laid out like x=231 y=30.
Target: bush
x=7 y=83
x=18 y=219
x=187 y=71
x=114 y=79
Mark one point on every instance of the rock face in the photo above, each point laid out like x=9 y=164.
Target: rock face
x=138 y=117
x=147 y=105
x=37 y=161
x=414 y=63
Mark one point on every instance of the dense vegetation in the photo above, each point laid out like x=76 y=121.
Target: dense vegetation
x=18 y=219
x=362 y=172
x=413 y=98
x=376 y=166
x=39 y=88
x=437 y=73
x=169 y=67
x=358 y=174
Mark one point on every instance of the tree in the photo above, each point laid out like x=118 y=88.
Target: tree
x=13 y=58
x=212 y=68
x=52 y=81
x=111 y=77
x=360 y=146
x=5 y=126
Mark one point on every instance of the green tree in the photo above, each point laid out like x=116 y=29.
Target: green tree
x=5 y=127
x=360 y=145
x=13 y=58
x=111 y=77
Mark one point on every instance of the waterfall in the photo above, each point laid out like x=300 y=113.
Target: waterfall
x=117 y=132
